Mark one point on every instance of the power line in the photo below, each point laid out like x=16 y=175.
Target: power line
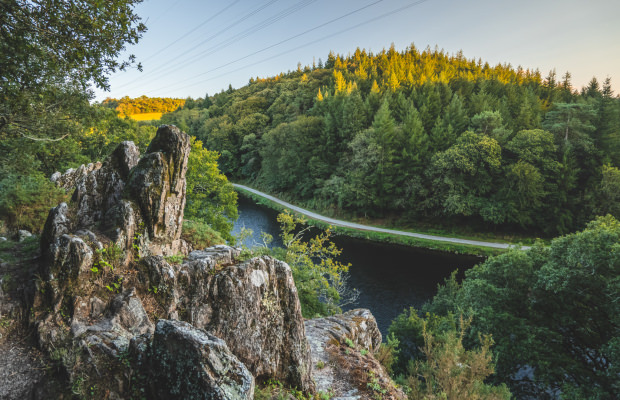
x=158 y=17
x=248 y=15
x=253 y=29
x=291 y=50
x=290 y=38
x=191 y=30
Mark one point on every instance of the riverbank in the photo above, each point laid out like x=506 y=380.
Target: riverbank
x=380 y=234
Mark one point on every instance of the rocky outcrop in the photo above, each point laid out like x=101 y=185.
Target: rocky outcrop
x=103 y=279
x=72 y=177
x=253 y=306
x=342 y=357
x=157 y=186
x=189 y=363
x=23 y=235
x=101 y=190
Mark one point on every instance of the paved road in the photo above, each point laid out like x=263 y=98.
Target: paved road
x=337 y=222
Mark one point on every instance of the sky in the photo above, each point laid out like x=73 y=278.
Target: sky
x=198 y=47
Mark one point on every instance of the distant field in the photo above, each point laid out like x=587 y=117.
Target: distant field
x=146 y=116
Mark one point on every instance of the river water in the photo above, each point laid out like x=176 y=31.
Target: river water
x=390 y=278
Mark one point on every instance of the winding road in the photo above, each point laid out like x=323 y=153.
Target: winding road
x=337 y=222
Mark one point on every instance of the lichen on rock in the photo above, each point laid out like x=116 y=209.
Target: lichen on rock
x=190 y=363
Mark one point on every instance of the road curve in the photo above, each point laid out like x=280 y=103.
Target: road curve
x=337 y=222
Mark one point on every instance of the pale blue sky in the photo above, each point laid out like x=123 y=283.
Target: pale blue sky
x=193 y=47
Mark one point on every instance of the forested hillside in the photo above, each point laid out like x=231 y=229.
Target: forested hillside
x=143 y=104
x=423 y=136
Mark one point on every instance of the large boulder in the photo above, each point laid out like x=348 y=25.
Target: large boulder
x=253 y=306
x=100 y=190
x=190 y=363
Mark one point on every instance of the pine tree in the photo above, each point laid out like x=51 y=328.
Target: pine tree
x=456 y=115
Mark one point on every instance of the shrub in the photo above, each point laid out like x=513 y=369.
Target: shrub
x=25 y=201
x=200 y=235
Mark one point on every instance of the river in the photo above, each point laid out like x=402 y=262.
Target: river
x=390 y=278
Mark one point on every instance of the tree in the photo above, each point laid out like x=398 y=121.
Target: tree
x=456 y=115
x=25 y=200
x=608 y=193
x=570 y=122
x=321 y=280
x=531 y=177
x=463 y=177
x=608 y=127
x=210 y=197
x=51 y=52
x=553 y=309
x=288 y=153
x=452 y=372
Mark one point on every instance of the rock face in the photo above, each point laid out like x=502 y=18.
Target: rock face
x=23 y=235
x=253 y=306
x=104 y=279
x=342 y=362
x=98 y=192
x=158 y=186
x=189 y=363
x=71 y=177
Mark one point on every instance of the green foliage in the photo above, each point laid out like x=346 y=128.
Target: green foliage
x=210 y=197
x=174 y=259
x=421 y=136
x=110 y=257
x=50 y=52
x=200 y=234
x=107 y=130
x=375 y=386
x=26 y=200
x=608 y=193
x=143 y=104
x=319 y=277
x=463 y=177
x=450 y=371
x=275 y=390
x=554 y=309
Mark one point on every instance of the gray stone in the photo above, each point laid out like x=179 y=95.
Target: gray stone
x=327 y=336
x=157 y=185
x=190 y=363
x=70 y=179
x=253 y=306
x=357 y=325
x=130 y=208
x=101 y=189
x=23 y=235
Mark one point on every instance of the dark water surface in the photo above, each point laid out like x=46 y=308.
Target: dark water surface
x=390 y=278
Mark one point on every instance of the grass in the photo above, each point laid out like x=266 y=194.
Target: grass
x=12 y=251
x=154 y=116
x=398 y=239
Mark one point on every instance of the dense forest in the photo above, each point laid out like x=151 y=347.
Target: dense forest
x=143 y=104
x=423 y=136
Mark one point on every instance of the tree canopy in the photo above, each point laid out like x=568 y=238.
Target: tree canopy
x=51 y=52
x=553 y=313
x=420 y=136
